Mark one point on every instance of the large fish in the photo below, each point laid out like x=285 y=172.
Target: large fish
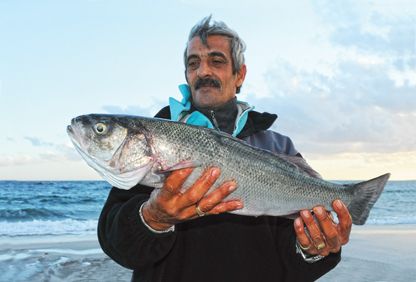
x=127 y=150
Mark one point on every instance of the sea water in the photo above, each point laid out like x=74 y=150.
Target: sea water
x=37 y=208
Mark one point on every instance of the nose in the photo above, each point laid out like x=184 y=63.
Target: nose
x=204 y=69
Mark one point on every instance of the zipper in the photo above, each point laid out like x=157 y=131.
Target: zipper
x=214 y=121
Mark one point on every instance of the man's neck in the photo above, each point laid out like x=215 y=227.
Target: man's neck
x=222 y=117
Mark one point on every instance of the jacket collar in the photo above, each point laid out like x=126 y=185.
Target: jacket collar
x=249 y=123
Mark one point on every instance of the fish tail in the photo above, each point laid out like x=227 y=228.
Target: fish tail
x=365 y=196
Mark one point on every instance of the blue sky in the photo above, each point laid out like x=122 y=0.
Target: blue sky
x=341 y=75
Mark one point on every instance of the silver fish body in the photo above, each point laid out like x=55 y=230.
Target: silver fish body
x=127 y=150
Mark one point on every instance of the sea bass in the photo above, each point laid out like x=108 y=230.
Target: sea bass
x=127 y=150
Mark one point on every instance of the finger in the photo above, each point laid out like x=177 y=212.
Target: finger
x=345 y=220
x=302 y=236
x=190 y=212
x=227 y=206
x=328 y=228
x=215 y=197
x=313 y=230
x=175 y=180
x=200 y=187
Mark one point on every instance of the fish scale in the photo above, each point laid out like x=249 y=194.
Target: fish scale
x=268 y=183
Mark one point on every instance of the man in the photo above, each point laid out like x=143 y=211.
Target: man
x=168 y=235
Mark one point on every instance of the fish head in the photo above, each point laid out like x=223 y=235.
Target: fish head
x=115 y=146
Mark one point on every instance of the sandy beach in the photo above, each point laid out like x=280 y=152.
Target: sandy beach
x=378 y=253
x=375 y=253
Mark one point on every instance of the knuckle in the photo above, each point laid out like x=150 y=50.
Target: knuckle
x=218 y=209
x=171 y=211
x=316 y=238
x=313 y=229
x=209 y=204
x=193 y=196
x=331 y=235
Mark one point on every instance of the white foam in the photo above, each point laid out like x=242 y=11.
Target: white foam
x=48 y=227
x=69 y=251
x=14 y=256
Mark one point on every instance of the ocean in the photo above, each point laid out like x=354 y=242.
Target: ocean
x=37 y=208
x=48 y=229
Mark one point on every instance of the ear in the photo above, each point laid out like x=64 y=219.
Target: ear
x=241 y=75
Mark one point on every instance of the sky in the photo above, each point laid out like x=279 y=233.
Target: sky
x=341 y=75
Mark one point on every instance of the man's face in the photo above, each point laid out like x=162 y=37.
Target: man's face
x=209 y=72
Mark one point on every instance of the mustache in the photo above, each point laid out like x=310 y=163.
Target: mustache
x=207 y=81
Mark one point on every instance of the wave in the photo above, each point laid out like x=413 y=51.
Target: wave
x=48 y=227
x=30 y=214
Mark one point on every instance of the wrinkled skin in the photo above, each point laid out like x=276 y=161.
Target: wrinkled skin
x=323 y=231
x=168 y=206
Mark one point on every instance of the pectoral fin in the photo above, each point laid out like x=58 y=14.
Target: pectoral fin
x=181 y=165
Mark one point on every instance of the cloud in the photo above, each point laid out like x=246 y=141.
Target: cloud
x=21 y=159
x=149 y=110
x=38 y=142
x=358 y=108
x=46 y=151
x=367 y=103
x=59 y=153
x=370 y=27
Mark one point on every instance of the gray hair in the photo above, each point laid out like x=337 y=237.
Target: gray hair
x=203 y=29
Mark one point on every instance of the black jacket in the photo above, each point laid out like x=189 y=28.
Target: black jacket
x=223 y=247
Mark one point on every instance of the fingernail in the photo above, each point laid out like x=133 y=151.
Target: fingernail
x=319 y=210
x=339 y=204
x=239 y=206
x=305 y=213
x=215 y=172
x=232 y=187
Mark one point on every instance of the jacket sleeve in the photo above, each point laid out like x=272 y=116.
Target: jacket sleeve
x=296 y=268
x=122 y=234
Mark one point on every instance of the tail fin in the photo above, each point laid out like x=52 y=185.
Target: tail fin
x=365 y=196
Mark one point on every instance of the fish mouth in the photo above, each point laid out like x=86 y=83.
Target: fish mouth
x=76 y=141
x=75 y=138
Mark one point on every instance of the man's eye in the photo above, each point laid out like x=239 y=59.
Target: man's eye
x=192 y=64
x=218 y=62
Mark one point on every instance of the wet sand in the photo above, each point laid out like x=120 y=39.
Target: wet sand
x=375 y=253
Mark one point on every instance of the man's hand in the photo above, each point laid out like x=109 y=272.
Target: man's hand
x=168 y=205
x=319 y=234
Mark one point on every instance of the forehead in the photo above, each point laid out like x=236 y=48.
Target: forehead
x=215 y=43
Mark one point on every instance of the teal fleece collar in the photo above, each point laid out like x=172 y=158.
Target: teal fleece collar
x=180 y=111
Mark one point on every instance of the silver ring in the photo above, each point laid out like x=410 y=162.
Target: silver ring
x=199 y=212
x=304 y=248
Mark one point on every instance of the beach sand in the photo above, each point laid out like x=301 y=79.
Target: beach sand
x=375 y=253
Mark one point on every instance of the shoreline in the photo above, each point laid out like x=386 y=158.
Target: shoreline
x=374 y=253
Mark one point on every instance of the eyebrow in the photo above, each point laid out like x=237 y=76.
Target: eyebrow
x=210 y=54
x=217 y=54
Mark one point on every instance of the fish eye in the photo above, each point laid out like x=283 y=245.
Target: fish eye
x=100 y=128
